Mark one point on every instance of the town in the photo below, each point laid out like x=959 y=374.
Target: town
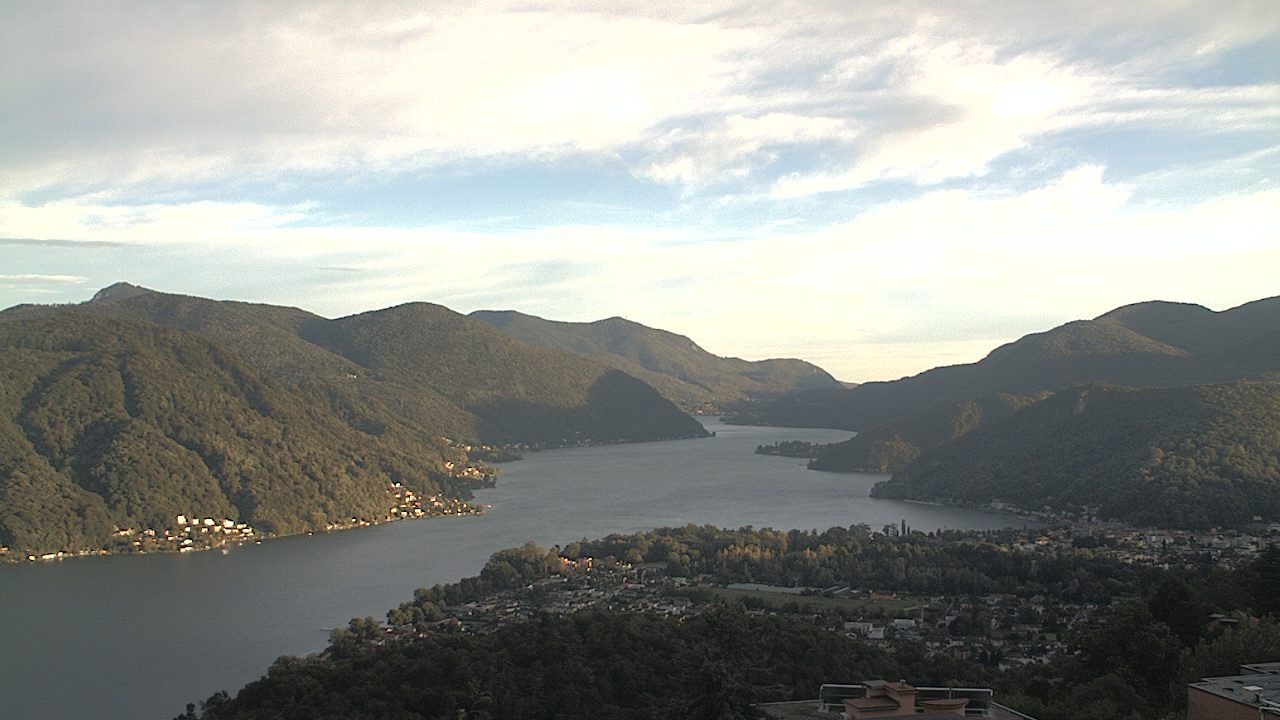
x=996 y=629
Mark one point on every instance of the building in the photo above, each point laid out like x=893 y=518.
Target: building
x=899 y=700
x=1252 y=695
x=880 y=699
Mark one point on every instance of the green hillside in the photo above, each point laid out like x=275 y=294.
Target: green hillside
x=515 y=392
x=431 y=367
x=673 y=364
x=1194 y=456
x=1142 y=345
x=891 y=446
x=107 y=424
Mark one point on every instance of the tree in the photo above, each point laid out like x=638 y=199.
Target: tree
x=1267 y=580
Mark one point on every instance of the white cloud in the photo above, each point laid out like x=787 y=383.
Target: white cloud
x=22 y=279
x=106 y=96
x=740 y=144
x=896 y=289
x=177 y=129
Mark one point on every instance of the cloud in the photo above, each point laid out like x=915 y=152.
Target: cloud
x=57 y=242
x=112 y=97
x=995 y=264
x=39 y=284
x=787 y=169
x=23 y=279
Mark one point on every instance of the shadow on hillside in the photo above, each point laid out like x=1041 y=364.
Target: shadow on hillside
x=619 y=408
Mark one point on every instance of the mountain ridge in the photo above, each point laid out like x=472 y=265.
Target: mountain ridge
x=674 y=364
x=1215 y=346
x=353 y=356
x=114 y=424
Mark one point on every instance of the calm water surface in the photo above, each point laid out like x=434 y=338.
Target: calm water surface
x=139 y=637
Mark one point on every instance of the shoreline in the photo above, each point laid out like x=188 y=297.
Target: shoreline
x=8 y=558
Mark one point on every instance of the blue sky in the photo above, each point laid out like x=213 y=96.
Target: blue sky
x=876 y=187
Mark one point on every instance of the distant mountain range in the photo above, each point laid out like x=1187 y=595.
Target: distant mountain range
x=996 y=429
x=673 y=364
x=122 y=413
x=427 y=364
x=1143 y=345
x=126 y=411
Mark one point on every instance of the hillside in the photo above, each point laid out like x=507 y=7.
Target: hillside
x=430 y=366
x=515 y=392
x=110 y=424
x=674 y=365
x=1143 y=345
x=1194 y=456
x=891 y=446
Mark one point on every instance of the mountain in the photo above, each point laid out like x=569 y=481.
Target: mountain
x=683 y=372
x=122 y=413
x=1191 y=456
x=113 y=424
x=1144 y=345
x=515 y=392
x=432 y=367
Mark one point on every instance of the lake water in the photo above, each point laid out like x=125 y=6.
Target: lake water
x=139 y=637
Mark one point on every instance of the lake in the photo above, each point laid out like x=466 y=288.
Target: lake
x=138 y=637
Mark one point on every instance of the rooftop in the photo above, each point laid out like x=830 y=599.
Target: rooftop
x=808 y=710
x=1245 y=689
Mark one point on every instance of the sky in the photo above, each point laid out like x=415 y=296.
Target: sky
x=876 y=187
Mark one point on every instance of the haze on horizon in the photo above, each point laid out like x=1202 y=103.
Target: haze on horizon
x=878 y=189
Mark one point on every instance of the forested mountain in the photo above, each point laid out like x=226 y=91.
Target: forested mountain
x=1192 y=456
x=673 y=364
x=127 y=411
x=1142 y=345
x=890 y=446
x=431 y=366
x=112 y=424
x=515 y=392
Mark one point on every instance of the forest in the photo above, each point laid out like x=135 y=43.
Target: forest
x=1130 y=663
x=121 y=414
x=1191 y=457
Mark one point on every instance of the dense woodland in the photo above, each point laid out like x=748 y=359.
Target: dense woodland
x=683 y=372
x=595 y=665
x=125 y=412
x=1130 y=665
x=889 y=447
x=1196 y=448
x=435 y=368
x=1195 y=457
x=108 y=424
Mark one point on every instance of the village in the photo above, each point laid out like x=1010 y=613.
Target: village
x=999 y=630
x=191 y=533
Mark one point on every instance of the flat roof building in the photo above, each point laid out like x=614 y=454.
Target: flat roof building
x=875 y=699
x=1251 y=695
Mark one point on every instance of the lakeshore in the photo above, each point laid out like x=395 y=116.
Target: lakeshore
x=145 y=634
